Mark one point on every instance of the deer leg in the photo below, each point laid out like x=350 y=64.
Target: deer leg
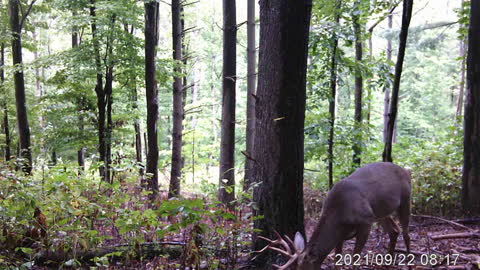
x=392 y=229
x=363 y=231
x=404 y=217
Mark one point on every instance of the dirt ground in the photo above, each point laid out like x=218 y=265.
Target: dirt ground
x=435 y=244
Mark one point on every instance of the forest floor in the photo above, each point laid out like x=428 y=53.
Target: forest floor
x=436 y=243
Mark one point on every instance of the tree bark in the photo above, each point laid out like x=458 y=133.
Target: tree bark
x=151 y=40
x=386 y=100
x=22 y=117
x=333 y=94
x=463 y=61
x=392 y=117
x=279 y=126
x=178 y=105
x=226 y=191
x=100 y=93
x=357 y=142
x=138 y=133
x=251 y=81
x=6 y=125
x=471 y=142
x=461 y=92
x=81 y=151
x=109 y=130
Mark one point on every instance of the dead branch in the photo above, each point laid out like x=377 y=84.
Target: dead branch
x=467 y=220
x=456 y=235
x=453 y=223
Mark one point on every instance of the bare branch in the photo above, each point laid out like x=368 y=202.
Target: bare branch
x=24 y=16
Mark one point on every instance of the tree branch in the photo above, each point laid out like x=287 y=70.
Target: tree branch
x=384 y=17
x=24 y=16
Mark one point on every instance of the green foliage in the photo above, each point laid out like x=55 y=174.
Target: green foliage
x=436 y=169
x=83 y=213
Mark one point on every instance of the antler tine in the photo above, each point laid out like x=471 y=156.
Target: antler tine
x=288 y=264
x=281 y=251
x=279 y=241
x=289 y=240
x=287 y=252
x=266 y=239
x=283 y=243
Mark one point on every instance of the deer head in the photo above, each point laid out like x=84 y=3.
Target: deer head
x=371 y=194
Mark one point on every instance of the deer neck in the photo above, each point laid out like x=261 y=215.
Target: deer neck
x=326 y=236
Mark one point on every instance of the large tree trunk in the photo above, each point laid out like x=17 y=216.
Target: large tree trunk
x=251 y=81
x=151 y=40
x=471 y=142
x=178 y=105
x=226 y=191
x=333 y=95
x=22 y=117
x=386 y=100
x=5 y=124
x=357 y=141
x=392 y=117
x=280 y=115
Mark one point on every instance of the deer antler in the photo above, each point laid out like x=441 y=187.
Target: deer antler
x=277 y=245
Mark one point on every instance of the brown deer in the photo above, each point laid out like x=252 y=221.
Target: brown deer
x=371 y=194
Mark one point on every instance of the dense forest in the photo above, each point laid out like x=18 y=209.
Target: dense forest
x=223 y=134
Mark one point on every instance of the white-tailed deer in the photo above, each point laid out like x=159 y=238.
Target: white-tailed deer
x=371 y=194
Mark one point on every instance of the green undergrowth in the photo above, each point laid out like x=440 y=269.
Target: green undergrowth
x=83 y=214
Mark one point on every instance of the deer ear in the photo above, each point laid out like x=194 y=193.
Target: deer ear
x=299 y=242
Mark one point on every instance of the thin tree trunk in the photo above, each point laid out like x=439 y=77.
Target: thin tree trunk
x=471 y=142
x=251 y=81
x=406 y=17
x=145 y=143
x=386 y=100
x=279 y=126
x=109 y=130
x=138 y=132
x=100 y=92
x=177 y=117
x=461 y=92
x=333 y=94
x=151 y=41
x=6 y=126
x=81 y=151
x=109 y=100
x=226 y=191
x=22 y=117
x=136 y=122
x=357 y=143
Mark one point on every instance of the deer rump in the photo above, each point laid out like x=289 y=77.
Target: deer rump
x=371 y=194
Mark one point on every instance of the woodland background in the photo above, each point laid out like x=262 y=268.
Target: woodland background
x=79 y=171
